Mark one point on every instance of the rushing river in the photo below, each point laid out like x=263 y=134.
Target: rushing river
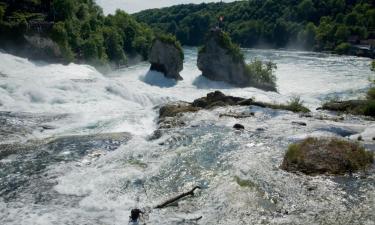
x=76 y=148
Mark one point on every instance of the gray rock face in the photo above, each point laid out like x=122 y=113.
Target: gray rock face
x=43 y=47
x=167 y=59
x=217 y=64
x=221 y=60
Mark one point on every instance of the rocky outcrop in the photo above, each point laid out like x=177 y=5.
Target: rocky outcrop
x=221 y=60
x=175 y=108
x=166 y=57
x=356 y=107
x=326 y=156
x=217 y=99
x=170 y=115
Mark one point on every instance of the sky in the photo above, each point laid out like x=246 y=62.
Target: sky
x=132 y=6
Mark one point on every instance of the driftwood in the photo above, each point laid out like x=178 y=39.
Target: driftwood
x=175 y=199
x=237 y=116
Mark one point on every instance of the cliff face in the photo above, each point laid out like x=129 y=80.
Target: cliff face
x=166 y=58
x=221 y=60
x=217 y=63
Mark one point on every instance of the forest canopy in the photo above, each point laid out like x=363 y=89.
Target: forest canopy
x=79 y=27
x=310 y=24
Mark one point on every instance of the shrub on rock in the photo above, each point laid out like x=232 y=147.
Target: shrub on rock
x=326 y=156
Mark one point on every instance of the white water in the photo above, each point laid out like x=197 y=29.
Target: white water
x=142 y=173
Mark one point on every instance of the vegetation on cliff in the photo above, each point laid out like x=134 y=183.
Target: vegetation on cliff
x=170 y=39
x=311 y=24
x=79 y=27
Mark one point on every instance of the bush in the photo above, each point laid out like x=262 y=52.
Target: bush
x=233 y=49
x=262 y=73
x=295 y=104
x=371 y=93
x=342 y=48
x=369 y=109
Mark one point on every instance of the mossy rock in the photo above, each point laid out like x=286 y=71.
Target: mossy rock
x=356 y=107
x=326 y=156
x=175 y=109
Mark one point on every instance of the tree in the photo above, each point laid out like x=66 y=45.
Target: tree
x=306 y=9
x=64 y=9
x=342 y=33
x=114 y=43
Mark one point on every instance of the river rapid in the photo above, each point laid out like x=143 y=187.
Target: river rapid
x=75 y=146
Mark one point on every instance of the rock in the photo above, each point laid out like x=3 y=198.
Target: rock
x=356 y=107
x=176 y=108
x=221 y=60
x=326 y=155
x=299 y=123
x=239 y=126
x=166 y=57
x=217 y=98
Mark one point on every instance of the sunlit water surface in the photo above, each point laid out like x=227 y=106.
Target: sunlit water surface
x=98 y=176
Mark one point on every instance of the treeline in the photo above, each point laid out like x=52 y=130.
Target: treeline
x=311 y=24
x=79 y=27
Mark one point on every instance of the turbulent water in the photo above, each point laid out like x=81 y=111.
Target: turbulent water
x=76 y=148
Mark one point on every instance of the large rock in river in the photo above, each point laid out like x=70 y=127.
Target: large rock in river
x=326 y=155
x=221 y=60
x=166 y=56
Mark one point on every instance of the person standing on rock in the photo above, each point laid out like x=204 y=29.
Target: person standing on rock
x=219 y=25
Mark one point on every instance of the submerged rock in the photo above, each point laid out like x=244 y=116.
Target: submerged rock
x=239 y=126
x=78 y=145
x=326 y=156
x=221 y=60
x=166 y=56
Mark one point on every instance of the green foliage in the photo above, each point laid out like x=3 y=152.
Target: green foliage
x=81 y=30
x=294 y=153
x=64 y=9
x=343 y=48
x=233 y=49
x=295 y=104
x=369 y=109
x=312 y=24
x=2 y=11
x=113 y=44
x=262 y=73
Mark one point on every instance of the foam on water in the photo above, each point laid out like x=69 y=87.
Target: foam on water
x=103 y=186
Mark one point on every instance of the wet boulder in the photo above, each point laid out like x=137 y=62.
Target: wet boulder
x=167 y=57
x=326 y=156
x=239 y=126
x=176 y=108
x=356 y=107
x=217 y=98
